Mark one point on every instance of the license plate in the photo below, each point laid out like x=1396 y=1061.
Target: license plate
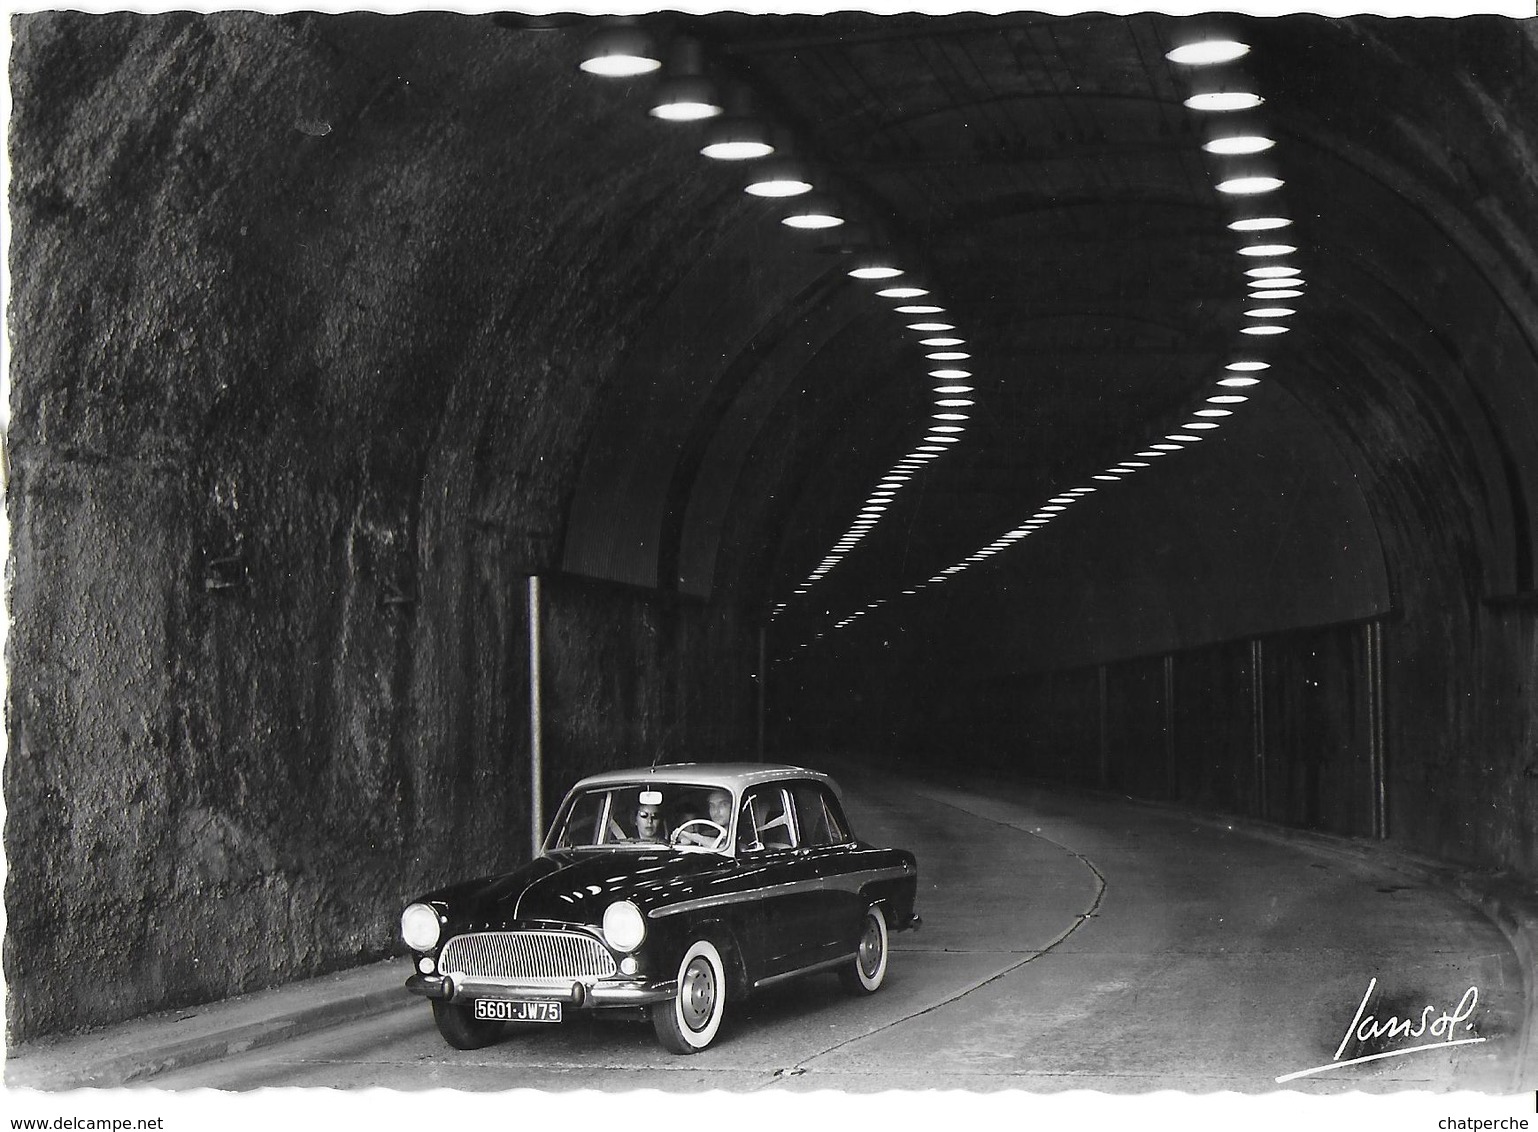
x=502 y=1010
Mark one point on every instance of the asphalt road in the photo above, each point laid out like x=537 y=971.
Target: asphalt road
x=1069 y=942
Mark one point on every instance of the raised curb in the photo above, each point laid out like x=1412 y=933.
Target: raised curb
x=134 y=1052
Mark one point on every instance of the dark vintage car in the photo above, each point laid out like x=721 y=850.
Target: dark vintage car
x=664 y=892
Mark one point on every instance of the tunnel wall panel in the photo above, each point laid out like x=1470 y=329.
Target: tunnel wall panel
x=1214 y=735
x=1136 y=731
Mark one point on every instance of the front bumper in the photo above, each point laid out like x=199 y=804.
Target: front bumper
x=579 y=995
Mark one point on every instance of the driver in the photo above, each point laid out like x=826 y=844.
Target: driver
x=719 y=804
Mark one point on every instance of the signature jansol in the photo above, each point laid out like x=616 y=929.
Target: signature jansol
x=1443 y=1027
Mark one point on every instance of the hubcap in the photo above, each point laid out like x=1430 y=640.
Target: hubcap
x=698 y=994
x=870 y=948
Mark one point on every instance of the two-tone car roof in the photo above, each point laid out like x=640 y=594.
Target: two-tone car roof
x=735 y=777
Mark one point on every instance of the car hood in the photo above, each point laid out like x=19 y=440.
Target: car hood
x=575 y=887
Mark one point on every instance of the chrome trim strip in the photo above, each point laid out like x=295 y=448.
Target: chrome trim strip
x=823 y=966
x=594 y=994
x=843 y=882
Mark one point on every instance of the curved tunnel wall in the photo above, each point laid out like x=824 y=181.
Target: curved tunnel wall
x=309 y=333
x=317 y=323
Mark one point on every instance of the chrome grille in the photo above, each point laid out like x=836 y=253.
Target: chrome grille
x=523 y=956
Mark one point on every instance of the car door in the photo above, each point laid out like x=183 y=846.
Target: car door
x=782 y=879
x=833 y=913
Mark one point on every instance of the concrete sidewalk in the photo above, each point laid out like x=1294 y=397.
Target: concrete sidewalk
x=134 y=1052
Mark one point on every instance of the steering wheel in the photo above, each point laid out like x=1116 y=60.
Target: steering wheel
x=719 y=832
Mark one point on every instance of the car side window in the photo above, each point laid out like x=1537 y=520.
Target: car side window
x=819 y=817
x=583 y=823
x=765 y=808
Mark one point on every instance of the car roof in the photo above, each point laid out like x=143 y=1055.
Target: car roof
x=735 y=777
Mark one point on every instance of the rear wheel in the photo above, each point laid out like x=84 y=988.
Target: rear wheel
x=865 y=973
x=689 y=1022
x=461 y=1028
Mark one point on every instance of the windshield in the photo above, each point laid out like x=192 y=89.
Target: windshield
x=642 y=815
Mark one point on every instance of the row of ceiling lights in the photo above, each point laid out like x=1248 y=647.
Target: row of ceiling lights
x=1273 y=280
x=687 y=95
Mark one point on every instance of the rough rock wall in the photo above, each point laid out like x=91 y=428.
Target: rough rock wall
x=306 y=338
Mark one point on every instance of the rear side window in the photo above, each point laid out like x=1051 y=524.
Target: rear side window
x=818 y=814
x=770 y=820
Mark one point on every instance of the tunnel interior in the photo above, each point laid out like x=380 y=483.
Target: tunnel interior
x=329 y=332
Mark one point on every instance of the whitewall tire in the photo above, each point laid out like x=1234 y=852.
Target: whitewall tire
x=867 y=971
x=689 y=1022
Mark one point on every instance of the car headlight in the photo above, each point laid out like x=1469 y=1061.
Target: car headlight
x=420 y=928
x=623 y=926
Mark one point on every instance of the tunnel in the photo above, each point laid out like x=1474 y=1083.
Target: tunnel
x=406 y=421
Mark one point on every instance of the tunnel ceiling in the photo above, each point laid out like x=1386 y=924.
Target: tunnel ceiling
x=428 y=250
x=1046 y=180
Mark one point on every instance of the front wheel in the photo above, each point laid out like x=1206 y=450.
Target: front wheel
x=689 y=1022
x=461 y=1028
x=865 y=973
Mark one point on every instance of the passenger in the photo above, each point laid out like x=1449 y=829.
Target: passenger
x=649 y=825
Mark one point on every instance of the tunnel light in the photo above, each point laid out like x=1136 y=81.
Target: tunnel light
x=1238 y=382
x=946 y=428
x=950 y=374
x=930 y=447
x=1274 y=271
x=942 y=341
x=930 y=327
x=1264 y=328
x=1239 y=144
x=814 y=214
x=943 y=439
x=1131 y=464
x=1227 y=399
x=1247 y=367
x=1051 y=508
x=901 y=292
x=954 y=388
x=1166 y=449
x=920 y=309
x=1205 y=52
x=1222 y=101
x=1063 y=499
x=1259 y=223
x=876 y=271
x=951 y=417
x=1273 y=281
x=736 y=139
x=1268 y=295
x=620 y=52
x=687 y=96
x=1105 y=477
x=948 y=356
x=1267 y=249
x=1199 y=425
x=1269 y=312
x=955 y=403
x=1249 y=186
x=1080 y=490
x=1214 y=412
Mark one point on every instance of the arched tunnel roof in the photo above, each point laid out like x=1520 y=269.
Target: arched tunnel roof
x=429 y=247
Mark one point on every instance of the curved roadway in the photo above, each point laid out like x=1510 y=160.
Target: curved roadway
x=1070 y=941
